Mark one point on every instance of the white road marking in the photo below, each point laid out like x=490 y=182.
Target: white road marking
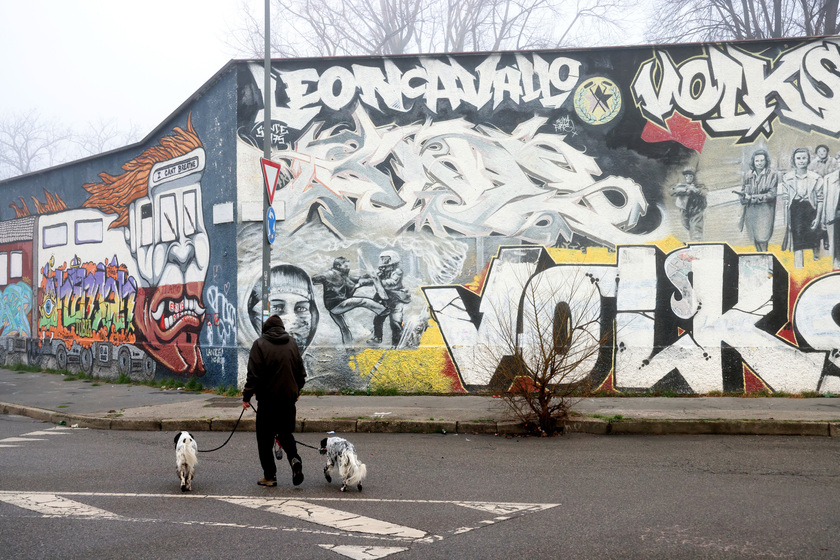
x=363 y=552
x=502 y=508
x=44 y=433
x=344 y=524
x=19 y=439
x=52 y=505
x=329 y=517
x=9 y=445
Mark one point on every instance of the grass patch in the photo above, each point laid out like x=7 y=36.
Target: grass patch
x=21 y=367
x=194 y=385
x=613 y=418
x=63 y=405
x=385 y=392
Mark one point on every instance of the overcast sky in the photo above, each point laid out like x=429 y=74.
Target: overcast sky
x=82 y=60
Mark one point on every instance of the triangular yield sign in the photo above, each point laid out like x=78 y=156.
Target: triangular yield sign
x=363 y=552
x=271 y=172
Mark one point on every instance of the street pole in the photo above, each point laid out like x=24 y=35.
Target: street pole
x=266 y=246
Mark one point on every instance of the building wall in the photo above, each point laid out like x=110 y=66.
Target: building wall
x=122 y=256
x=486 y=175
x=434 y=212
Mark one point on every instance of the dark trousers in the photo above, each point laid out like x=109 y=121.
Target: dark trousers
x=275 y=420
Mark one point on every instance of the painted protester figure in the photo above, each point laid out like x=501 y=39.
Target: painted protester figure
x=690 y=199
x=339 y=286
x=802 y=191
x=823 y=165
x=158 y=201
x=390 y=292
x=831 y=214
x=758 y=196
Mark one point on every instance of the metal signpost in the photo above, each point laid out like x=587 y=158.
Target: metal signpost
x=266 y=245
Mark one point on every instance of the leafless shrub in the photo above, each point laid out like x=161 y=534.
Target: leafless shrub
x=543 y=356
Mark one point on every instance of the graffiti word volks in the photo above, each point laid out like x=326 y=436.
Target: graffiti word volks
x=736 y=93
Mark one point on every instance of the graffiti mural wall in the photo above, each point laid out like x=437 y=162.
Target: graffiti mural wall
x=425 y=203
x=114 y=267
x=694 y=187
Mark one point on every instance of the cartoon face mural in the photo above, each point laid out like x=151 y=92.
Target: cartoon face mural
x=158 y=202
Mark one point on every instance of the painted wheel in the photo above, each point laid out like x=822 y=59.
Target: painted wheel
x=149 y=367
x=61 y=356
x=124 y=361
x=86 y=360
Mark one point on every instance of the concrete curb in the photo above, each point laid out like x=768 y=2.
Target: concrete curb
x=583 y=425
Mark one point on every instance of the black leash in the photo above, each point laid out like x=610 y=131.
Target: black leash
x=309 y=446
x=234 y=430
x=230 y=436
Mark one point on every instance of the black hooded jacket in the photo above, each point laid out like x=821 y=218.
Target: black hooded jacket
x=275 y=368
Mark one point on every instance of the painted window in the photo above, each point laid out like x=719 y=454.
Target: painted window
x=189 y=212
x=146 y=223
x=16 y=264
x=169 y=218
x=4 y=269
x=54 y=236
x=88 y=231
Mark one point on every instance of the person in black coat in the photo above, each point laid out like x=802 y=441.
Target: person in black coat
x=276 y=376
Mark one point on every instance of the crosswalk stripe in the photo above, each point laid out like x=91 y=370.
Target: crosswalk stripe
x=505 y=508
x=363 y=552
x=329 y=517
x=53 y=505
x=44 y=433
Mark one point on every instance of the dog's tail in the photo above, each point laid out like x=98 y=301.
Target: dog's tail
x=190 y=455
x=351 y=469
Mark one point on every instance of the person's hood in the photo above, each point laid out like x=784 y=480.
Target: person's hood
x=274 y=331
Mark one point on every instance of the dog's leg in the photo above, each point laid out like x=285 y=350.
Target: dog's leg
x=344 y=487
x=327 y=472
x=182 y=474
x=359 y=486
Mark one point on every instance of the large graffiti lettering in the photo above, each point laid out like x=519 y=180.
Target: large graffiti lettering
x=432 y=80
x=738 y=93
x=701 y=319
x=456 y=178
x=91 y=301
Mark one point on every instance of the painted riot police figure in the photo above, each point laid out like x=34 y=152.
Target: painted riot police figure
x=387 y=281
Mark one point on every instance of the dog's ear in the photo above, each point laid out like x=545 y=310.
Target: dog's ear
x=324 y=442
x=177 y=437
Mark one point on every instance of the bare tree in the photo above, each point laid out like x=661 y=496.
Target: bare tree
x=545 y=345
x=717 y=20
x=102 y=135
x=387 y=27
x=28 y=143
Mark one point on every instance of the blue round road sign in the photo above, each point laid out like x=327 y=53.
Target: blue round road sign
x=270 y=224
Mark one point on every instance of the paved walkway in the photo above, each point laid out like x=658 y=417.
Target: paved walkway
x=103 y=405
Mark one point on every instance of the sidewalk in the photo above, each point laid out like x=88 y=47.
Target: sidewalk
x=49 y=398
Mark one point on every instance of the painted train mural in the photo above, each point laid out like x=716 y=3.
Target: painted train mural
x=695 y=187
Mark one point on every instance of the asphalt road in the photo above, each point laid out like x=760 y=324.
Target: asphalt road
x=91 y=494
